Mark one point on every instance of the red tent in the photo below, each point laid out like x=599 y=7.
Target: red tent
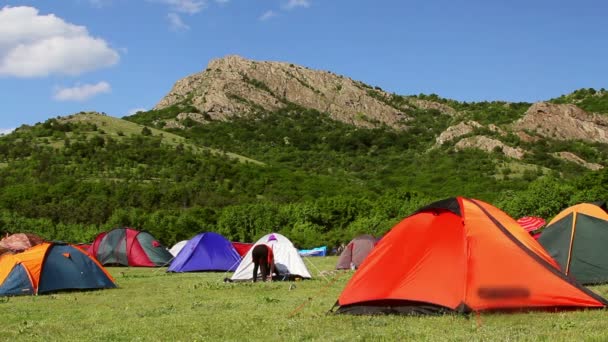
x=460 y=255
x=242 y=247
x=129 y=247
x=84 y=246
x=531 y=223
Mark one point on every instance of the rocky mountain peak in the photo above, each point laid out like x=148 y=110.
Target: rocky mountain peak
x=233 y=86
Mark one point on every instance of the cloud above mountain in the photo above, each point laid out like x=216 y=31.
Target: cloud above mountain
x=292 y=4
x=176 y=23
x=35 y=45
x=184 y=6
x=81 y=92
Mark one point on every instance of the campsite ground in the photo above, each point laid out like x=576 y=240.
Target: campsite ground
x=151 y=305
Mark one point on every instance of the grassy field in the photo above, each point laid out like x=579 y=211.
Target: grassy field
x=151 y=305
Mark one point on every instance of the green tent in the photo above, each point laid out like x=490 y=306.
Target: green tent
x=577 y=238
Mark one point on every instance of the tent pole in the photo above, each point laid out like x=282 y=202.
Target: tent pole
x=571 y=243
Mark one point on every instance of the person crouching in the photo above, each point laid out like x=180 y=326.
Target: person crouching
x=264 y=259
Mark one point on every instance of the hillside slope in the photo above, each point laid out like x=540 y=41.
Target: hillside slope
x=118 y=128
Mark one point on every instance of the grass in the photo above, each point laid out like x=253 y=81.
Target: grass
x=151 y=305
x=117 y=127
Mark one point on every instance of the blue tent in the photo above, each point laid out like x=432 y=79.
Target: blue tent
x=51 y=267
x=206 y=252
x=317 y=251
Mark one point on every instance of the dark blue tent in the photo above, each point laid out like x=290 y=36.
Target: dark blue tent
x=51 y=267
x=206 y=252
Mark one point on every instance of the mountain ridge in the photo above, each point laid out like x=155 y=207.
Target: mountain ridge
x=233 y=86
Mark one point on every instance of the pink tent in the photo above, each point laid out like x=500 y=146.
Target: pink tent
x=531 y=224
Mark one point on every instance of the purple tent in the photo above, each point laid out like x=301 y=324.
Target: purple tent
x=206 y=252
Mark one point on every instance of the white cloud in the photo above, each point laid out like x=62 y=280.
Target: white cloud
x=292 y=4
x=34 y=45
x=185 y=6
x=4 y=131
x=267 y=15
x=222 y=1
x=135 y=111
x=99 y=3
x=176 y=23
x=81 y=92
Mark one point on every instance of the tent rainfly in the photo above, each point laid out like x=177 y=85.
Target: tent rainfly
x=460 y=255
x=51 y=267
x=129 y=247
x=577 y=238
x=355 y=252
x=206 y=252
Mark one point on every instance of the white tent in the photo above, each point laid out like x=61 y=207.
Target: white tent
x=178 y=247
x=286 y=259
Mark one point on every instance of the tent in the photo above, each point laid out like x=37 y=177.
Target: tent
x=531 y=223
x=83 y=246
x=242 y=247
x=355 y=252
x=460 y=255
x=206 y=252
x=177 y=247
x=313 y=252
x=19 y=242
x=288 y=262
x=577 y=239
x=129 y=247
x=50 y=267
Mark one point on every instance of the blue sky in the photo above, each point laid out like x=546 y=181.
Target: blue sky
x=114 y=56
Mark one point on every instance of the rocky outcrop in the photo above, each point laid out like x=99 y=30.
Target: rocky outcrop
x=525 y=137
x=571 y=157
x=489 y=145
x=564 y=122
x=424 y=104
x=233 y=86
x=465 y=128
x=457 y=131
x=496 y=129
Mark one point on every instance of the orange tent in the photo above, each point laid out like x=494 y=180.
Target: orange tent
x=460 y=255
x=51 y=267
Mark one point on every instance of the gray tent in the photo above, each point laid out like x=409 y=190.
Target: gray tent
x=356 y=251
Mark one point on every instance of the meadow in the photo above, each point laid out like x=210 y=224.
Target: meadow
x=152 y=305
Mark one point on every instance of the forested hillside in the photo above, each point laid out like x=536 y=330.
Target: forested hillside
x=318 y=180
x=246 y=147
